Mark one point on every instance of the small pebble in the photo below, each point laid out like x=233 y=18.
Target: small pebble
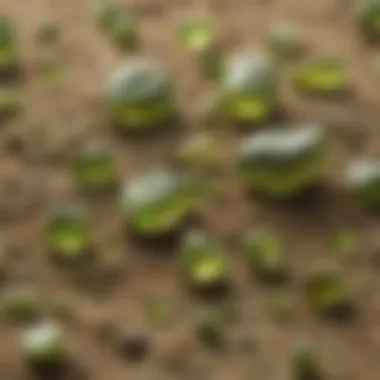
x=246 y=343
x=104 y=327
x=133 y=345
x=375 y=259
x=48 y=32
x=15 y=144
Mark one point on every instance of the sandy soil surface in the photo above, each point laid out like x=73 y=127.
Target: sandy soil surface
x=110 y=297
